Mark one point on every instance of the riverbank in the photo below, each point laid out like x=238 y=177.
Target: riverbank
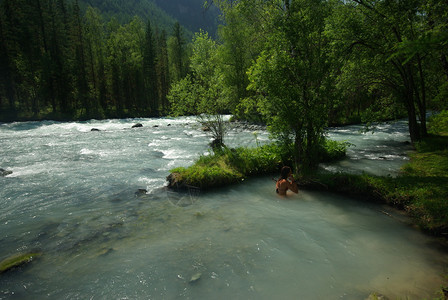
x=421 y=189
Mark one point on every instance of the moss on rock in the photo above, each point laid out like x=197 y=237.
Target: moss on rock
x=17 y=260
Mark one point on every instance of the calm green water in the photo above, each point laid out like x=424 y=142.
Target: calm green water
x=72 y=197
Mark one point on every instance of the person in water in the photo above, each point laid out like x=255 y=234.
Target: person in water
x=286 y=182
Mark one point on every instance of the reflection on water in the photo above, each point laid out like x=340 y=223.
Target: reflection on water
x=102 y=238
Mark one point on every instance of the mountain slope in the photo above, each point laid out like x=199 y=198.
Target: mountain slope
x=162 y=13
x=192 y=14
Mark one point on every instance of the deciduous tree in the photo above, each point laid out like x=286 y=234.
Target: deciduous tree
x=292 y=76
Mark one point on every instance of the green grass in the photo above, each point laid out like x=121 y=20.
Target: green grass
x=228 y=166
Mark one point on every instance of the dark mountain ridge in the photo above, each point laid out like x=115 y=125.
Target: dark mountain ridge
x=191 y=14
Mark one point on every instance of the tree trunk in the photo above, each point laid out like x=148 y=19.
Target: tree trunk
x=424 y=130
x=414 y=130
x=444 y=64
x=298 y=150
x=5 y=66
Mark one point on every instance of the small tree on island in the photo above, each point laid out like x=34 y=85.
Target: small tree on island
x=203 y=93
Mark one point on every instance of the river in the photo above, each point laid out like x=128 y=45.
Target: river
x=77 y=196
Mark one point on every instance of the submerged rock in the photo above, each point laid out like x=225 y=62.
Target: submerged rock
x=105 y=251
x=17 y=261
x=137 y=125
x=95 y=129
x=195 y=277
x=4 y=172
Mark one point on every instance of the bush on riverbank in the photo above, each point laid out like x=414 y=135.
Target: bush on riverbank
x=227 y=166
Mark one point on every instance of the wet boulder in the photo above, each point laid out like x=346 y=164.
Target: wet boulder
x=4 y=172
x=140 y=192
x=95 y=129
x=137 y=125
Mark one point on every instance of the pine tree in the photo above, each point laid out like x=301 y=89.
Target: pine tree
x=149 y=70
x=163 y=71
x=177 y=53
x=6 y=73
x=80 y=62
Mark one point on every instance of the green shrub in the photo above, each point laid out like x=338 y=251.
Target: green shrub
x=438 y=124
x=332 y=150
x=207 y=176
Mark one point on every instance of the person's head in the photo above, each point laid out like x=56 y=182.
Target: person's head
x=284 y=173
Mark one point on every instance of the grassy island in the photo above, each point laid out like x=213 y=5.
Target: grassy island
x=231 y=165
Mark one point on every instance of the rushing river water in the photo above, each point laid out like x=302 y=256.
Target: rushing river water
x=74 y=196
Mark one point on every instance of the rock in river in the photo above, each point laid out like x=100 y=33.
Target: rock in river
x=195 y=277
x=137 y=125
x=17 y=260
x=140 y=192
x=4 y=172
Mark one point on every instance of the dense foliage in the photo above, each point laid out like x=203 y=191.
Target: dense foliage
x=301 y=65
x=294 y=73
